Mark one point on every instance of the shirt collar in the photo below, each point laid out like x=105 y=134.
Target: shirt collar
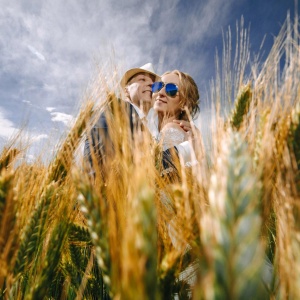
x=152 y=121
x=140 y=113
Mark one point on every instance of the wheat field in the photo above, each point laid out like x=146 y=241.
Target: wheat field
x=227 y=227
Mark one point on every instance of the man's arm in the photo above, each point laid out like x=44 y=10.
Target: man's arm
x=99 y=145
x=185 y=149
x=96 y=144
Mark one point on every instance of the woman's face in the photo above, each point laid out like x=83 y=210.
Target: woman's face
x=169 y=106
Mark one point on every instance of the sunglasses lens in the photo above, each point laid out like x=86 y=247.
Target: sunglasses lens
x=157 y=86
x=171 y=89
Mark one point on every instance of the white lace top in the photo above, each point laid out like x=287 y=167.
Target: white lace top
x=171 y=137
x=184 y=148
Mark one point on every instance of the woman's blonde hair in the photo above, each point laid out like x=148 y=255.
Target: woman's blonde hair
x=188 y=92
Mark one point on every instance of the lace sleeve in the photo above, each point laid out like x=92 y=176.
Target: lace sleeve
x=171 y=137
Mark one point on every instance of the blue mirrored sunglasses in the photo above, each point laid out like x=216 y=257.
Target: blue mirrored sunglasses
x=171 y=88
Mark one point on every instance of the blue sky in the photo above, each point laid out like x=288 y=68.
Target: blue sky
x=50 y=49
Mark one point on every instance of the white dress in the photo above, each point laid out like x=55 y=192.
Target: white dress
x=171 y=136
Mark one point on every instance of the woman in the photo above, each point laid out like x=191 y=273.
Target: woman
x=176 y=96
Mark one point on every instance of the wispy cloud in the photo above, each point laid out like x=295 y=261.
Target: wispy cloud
x=36 y=53
x=10 y=133
x=62 y=117
x=39 y=137
x=7 y=128
x=50 y=109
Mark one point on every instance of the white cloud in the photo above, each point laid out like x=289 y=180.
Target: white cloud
x=8 y=132
x=50 y=108
x=71 y=33
x=39 y=137
x=7 y=128
x=62 y=117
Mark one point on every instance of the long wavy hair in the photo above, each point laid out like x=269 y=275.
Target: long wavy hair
x=189 y=94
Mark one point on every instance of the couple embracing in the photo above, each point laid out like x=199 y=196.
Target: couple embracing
x=159 y=104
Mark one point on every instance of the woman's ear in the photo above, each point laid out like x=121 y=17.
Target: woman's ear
x=182 y=105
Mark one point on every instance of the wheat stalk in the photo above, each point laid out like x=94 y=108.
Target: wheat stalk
x=234 y=198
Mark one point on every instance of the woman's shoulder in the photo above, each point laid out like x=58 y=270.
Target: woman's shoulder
x=171 y=135
x=172 y=126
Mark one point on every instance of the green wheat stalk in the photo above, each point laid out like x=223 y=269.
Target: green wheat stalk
x=140 y=242
x=31 y=237
x=145 y=197
x=70 y=277
x=51 y=263
x=77 y=257
x=88 y=202
x=234 y=198
x=294 y=141
x=6 y=204
x=8 y=227
x=78 y=233
x=242 y=104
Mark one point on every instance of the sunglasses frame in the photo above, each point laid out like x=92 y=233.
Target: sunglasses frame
x=158 y=85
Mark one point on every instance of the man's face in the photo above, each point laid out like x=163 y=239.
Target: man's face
x=139 y=89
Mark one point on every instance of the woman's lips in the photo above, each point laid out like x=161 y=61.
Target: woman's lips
x=161 y=101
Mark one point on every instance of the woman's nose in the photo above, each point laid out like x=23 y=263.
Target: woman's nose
x=162 y=91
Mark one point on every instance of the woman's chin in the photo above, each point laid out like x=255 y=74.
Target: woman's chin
x=158 y=109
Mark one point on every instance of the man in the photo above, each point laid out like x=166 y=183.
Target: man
x=136 y=84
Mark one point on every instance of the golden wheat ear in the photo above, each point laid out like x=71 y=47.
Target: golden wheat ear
x=8 y=155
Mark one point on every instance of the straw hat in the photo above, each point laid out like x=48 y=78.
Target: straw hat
x=147 y=68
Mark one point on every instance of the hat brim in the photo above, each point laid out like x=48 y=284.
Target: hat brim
x=130 y=73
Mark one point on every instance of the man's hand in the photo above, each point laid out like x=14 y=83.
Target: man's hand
x=192 y=131
x=185 y=125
